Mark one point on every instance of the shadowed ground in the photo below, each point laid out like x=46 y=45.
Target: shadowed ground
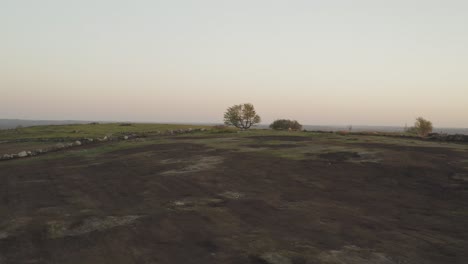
x=239 y=198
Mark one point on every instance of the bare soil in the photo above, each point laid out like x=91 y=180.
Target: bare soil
x=15 y=148
x=187 y=202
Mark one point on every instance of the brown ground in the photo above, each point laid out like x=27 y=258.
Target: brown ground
x=192 y=201
x=15 y=148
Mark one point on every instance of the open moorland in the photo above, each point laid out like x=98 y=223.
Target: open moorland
x=221 y=196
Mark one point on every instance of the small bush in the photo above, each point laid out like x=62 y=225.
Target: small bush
x=422 y=127
x=285 y=124
x=222 y=129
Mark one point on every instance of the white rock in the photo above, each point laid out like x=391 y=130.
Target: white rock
x=125 y=137
x=275 y=258
x=59 y=145
x=22 y=154
x=77 y=143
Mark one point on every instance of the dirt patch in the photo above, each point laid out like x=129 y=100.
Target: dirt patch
x=271 y=146
x=460 y=176
x=183 y=149
x=3 y=235
x=274 y=258
x=193 y=203
x=354 y=255
x=282 y=138
x=16 y=147
x=405 y=148
x=195 y=164
x=196 y=137
x=339 y=156
x=232 y=195
x=58 y=229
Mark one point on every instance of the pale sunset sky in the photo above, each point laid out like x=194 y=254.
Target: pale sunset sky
x=360 y=62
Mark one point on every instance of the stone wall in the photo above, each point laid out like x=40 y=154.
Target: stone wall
x=62 y=144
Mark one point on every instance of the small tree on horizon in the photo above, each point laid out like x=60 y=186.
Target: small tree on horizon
x=242 y=116
x=422 y=127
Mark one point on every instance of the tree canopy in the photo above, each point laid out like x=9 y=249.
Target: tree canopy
x=422 y=127
x=242 y=116
x=285 y=124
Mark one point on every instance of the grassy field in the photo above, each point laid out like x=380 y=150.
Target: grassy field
x=43 y=137
x=86 y=130
x=255 y=196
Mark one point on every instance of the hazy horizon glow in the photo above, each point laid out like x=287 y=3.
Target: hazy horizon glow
x=363 y=62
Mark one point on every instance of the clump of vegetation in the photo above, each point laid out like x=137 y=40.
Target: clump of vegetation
x=422 y=127
x=18 y=129
x=222 y=129
x=342 y=132
x=125 y=124
x=242 y=116
x=286 y=124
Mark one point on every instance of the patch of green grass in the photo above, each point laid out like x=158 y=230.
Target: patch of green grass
x=301 y=149
x=297 y=155
x=310 y=151
x=114 y=146
x=244 y=141
x=88 y=153
x=230 y=143
x=392 y=140
x=86 y=130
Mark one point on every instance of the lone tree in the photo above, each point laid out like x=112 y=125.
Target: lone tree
x=242 y=116
x=285 y=124
x=422 y=127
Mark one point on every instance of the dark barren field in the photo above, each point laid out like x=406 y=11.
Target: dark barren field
x=251 y=197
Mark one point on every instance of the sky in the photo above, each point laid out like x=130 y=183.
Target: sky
x=329 y=62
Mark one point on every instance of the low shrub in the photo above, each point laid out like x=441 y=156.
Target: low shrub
x=285 y=124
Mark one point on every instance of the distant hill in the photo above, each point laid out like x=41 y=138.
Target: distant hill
x=13 y=123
